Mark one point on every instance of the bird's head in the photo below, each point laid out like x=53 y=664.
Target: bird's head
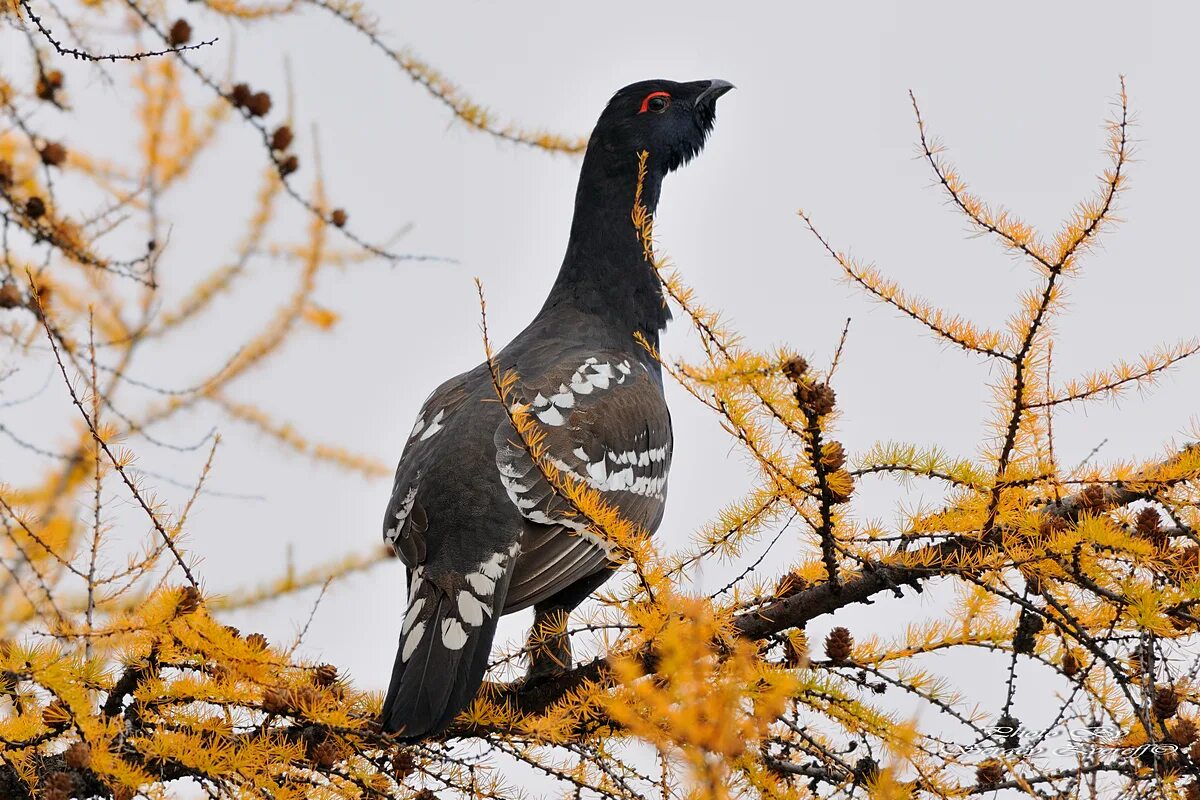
x=669 y=120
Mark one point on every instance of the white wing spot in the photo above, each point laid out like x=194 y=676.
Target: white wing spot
x=471 y=609
x=414 y=610
x=482 y=584
x=412 y=640
x=453 y=634
x=435 y=425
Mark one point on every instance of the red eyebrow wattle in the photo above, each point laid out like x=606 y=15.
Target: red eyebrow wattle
x=646 y=102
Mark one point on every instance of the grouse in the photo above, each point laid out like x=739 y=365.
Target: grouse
x=478 y=527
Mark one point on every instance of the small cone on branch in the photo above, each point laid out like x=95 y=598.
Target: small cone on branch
x=180 y=33
x=289 y=165
x=326 y=754
x=35 y=208
x=281 y=139
x=240 y=94
x=790 y=584
x=1093 y=496
x=325 y=675
x=819 y=398
x=6 y=174
x=58 y=786
x=10 y=296
x=339 y=217
x=1070 y=665
x=1183 y=732
x=1148 y=522
x=189 y=601
x=833 y=455
x=1028 y=625
x=1166 y=702
x=838 y=644
x=1194 y=753
x=989 y=773
x=257 y=641
x=795 y=651
x=78 y=756
x=259 y=104
x=403 y=765
x=1193 y=790
x=866 y=770
x=795 y=367
x=53 y=154
x=275 y=701
x=49 y=84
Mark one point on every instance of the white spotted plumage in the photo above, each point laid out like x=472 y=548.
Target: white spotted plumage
x=454 y=636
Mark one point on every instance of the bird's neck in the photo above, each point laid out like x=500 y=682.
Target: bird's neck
x=605 y=272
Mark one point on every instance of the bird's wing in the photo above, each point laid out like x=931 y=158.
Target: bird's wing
x=605 y=422
x=405 y=524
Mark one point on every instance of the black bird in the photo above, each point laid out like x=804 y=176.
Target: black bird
x=480 y=530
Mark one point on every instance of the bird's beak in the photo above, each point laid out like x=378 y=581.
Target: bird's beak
x=715 y=89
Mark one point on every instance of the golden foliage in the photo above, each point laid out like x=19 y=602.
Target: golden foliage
x=119 y=677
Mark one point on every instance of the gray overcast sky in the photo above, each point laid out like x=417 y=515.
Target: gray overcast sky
x=821 y=119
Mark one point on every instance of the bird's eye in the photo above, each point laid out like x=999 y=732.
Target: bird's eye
x=656 y=102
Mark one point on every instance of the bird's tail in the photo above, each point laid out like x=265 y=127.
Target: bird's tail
x=443 y=652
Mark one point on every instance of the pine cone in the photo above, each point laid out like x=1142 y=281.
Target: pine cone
x=281 y=139
x=339 y=217
x=240 y=95
x=1193 y=790
x=866 y=770
x=49 y=84
x=795 y=652
x=403 y=764
x=180 y=34
x=189 y=601
x=257 y=641
x=10 y=296
x=53 y=154
x=989 y=773
x=57 y=786
x=78 y=756
x=1166 y=702
x=819 y=398
x=838 y=644
x=326 y=754
x=289 y=165
x=833 y=455
x=6 y=174
x=794 y=367
x=1028 y=625
x=325 y=675
x=299 y=698
x=1148 y=522
x=259 y=104
x=790 y=584
x=1093 y=496
x=35 y=207
x=1183 y=733
x=1070 y=665
x=275 y=701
